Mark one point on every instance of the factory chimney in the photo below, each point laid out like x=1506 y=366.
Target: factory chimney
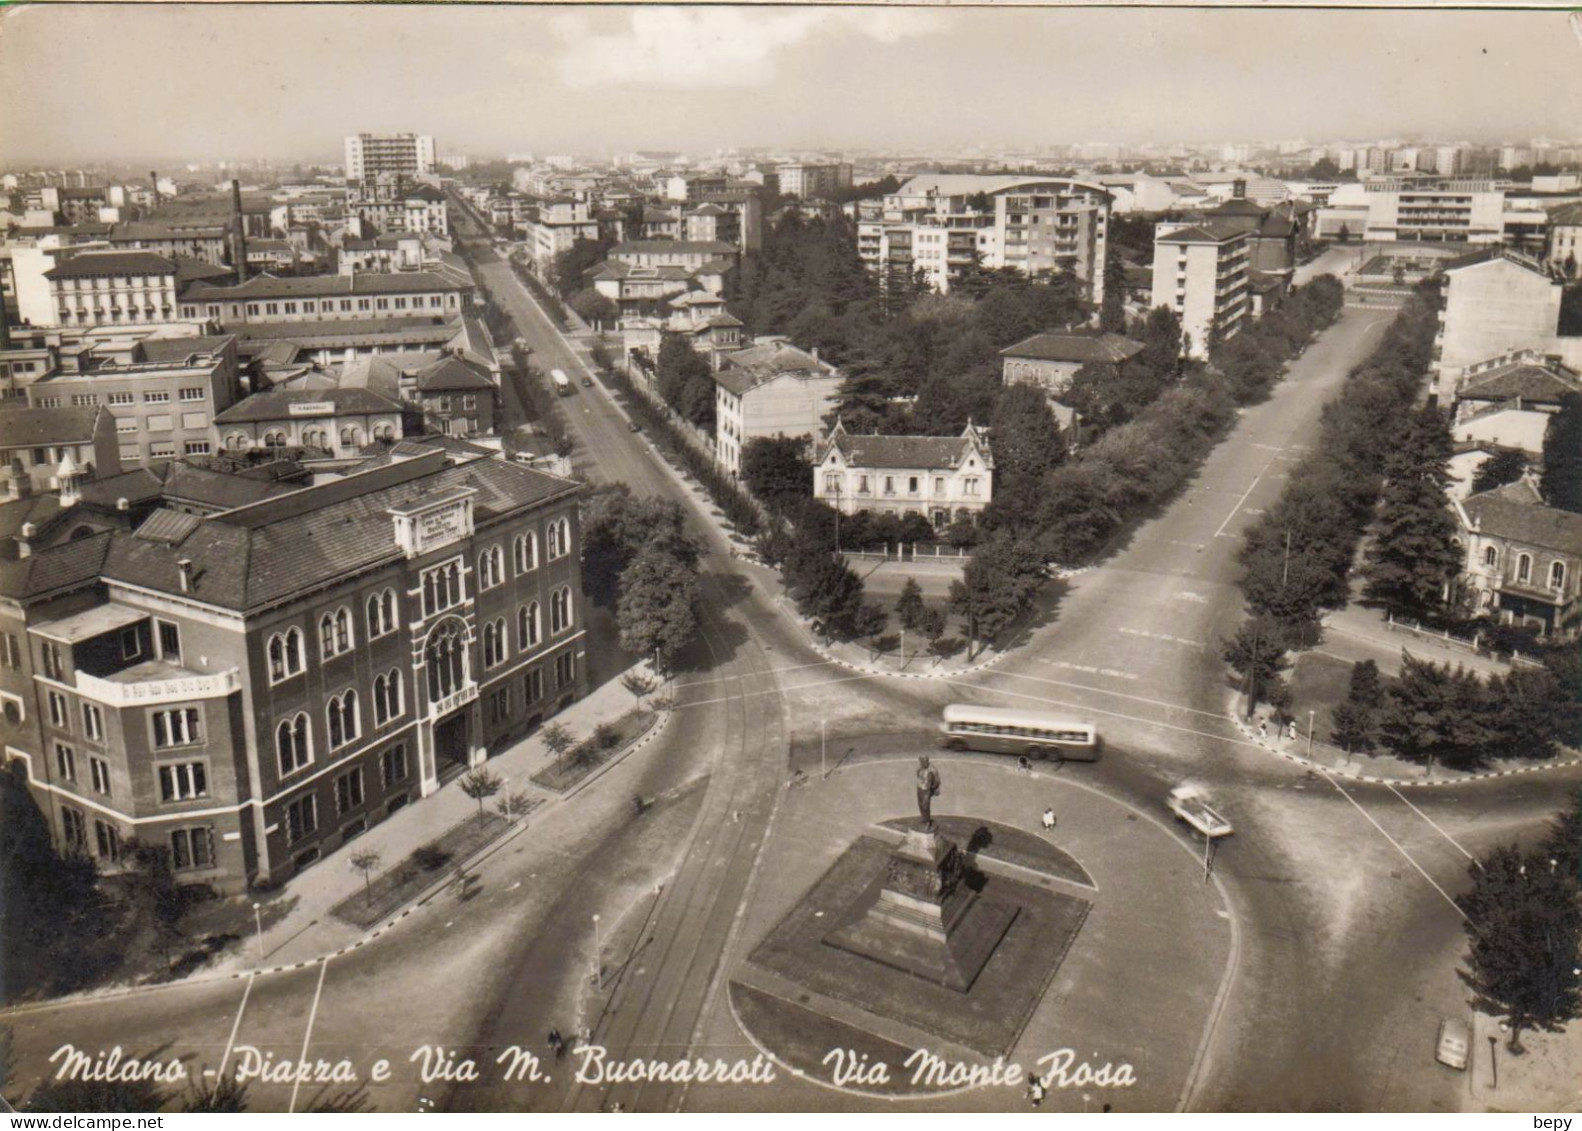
x=238 y=233
x=153 y=180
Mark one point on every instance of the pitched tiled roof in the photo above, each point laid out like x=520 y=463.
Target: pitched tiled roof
x=276 y=404
x=65 y=566
x=452 y=373
x=1533 y=383
x=673 y=247
x=1202 y=233
x=180 y=349
x=338 y=334
x=132 y=232
x=90 y=264
x=141 y=485
x=265 y=285
x=1516 y=512
x=928 y=452
x=1075 y=346
x=34 y=427
x=747 y=369
x=263 y=554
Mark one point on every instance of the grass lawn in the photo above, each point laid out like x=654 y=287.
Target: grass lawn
x=589 y=754
x=1319 y=684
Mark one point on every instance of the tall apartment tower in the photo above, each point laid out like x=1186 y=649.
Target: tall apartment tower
x=368 y=155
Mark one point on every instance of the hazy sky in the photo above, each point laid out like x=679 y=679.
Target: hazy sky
x=195 y=81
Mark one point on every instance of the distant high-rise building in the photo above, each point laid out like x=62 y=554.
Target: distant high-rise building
x=368 y=155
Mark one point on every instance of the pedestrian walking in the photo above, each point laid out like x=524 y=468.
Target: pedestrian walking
x=1024 y=765
x=1290 y=730
x=1049 y=818
x=1035 y=1091
x=1263 y=728
x=557 y=1043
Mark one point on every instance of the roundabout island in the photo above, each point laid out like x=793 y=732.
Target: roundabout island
x=946 y=956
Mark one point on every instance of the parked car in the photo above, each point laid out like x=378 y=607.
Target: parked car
x=634 y=426
x=1455 y=1043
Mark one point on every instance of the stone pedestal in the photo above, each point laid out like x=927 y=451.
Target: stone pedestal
x=925 y=918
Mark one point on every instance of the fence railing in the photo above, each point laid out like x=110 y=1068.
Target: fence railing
x=1474 y=645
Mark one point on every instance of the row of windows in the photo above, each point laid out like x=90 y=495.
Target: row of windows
x=1033 y=733
x=88 y=400
x=175 y=726
x=834 y=480
x=351 y=436
x=328 y=305
x=302 y=815
x=1524 y=568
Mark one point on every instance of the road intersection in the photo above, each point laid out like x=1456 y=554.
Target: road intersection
x=1340 y=892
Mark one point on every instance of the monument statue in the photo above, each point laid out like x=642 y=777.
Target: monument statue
x=927 y=790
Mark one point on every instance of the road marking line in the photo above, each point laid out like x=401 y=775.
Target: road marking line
x=1164 y=636
x=787 y=690
x=308 y=1035
x=1409 y=858
x=1089 y=669
x=236 y=1026
x=1431 y=824
x=1219 y=717
x=1243 y=498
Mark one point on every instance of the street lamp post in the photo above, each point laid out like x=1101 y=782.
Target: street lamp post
x=1494 y=1062
x=823 y=744
x=598 y=956
x=258 y=921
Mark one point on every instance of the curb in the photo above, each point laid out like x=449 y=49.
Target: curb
x=1353 y=775
x=653 y=732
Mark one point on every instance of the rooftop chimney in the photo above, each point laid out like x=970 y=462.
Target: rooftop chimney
x=238 y=233
x=122 y=504
x=184 y=568
x=1238 y=189
x=20 y=486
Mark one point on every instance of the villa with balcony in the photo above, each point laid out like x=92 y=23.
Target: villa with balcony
x=941 y=478
x=1523 y=561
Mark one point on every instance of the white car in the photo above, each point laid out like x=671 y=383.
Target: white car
x=1188 y=803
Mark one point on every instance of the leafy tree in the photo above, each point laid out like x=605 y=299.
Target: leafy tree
x=1257 y=654
x=1027 y=445
x=1436 y=713
x=1505 y=466
x=1112 y=310
x=365 y=861
x=944 y=647
x=1561 y=483
x=1414 y=554
x=571 y=267
x=593 y=307
x=929 y=624
x=514 y=806
x=1523 y=923
x=638 y=684
x=685 y=382
x=557 y=740
x=909 y=605
x=657 y=611
x=825 y=588
x=996 y=586
x=617 y=526
x=1355 y=717
x=777 y=471
x=480 y=784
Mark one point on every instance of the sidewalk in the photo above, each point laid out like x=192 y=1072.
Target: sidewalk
x=1262 y=730
x=306 y=930
x=1545 y=1078
x=1356 y=633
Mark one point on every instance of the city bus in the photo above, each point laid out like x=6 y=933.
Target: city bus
x=561 y=381
x=1030 y=734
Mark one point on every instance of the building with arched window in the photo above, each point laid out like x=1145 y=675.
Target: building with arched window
x=1523 y=560
x=253 y=687
x=329 y=422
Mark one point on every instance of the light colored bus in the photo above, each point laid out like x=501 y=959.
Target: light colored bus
x=1030 y=734
x=561 y=381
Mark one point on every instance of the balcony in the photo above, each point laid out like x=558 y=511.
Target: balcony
x=458 y=698
x=156 y=681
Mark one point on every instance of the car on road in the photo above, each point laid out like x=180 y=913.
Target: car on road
x=1455 y=1043
x=587 y=382
x=1188 y=803
x=634 y=426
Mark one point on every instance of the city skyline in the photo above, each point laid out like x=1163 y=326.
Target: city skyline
x=598 y=81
